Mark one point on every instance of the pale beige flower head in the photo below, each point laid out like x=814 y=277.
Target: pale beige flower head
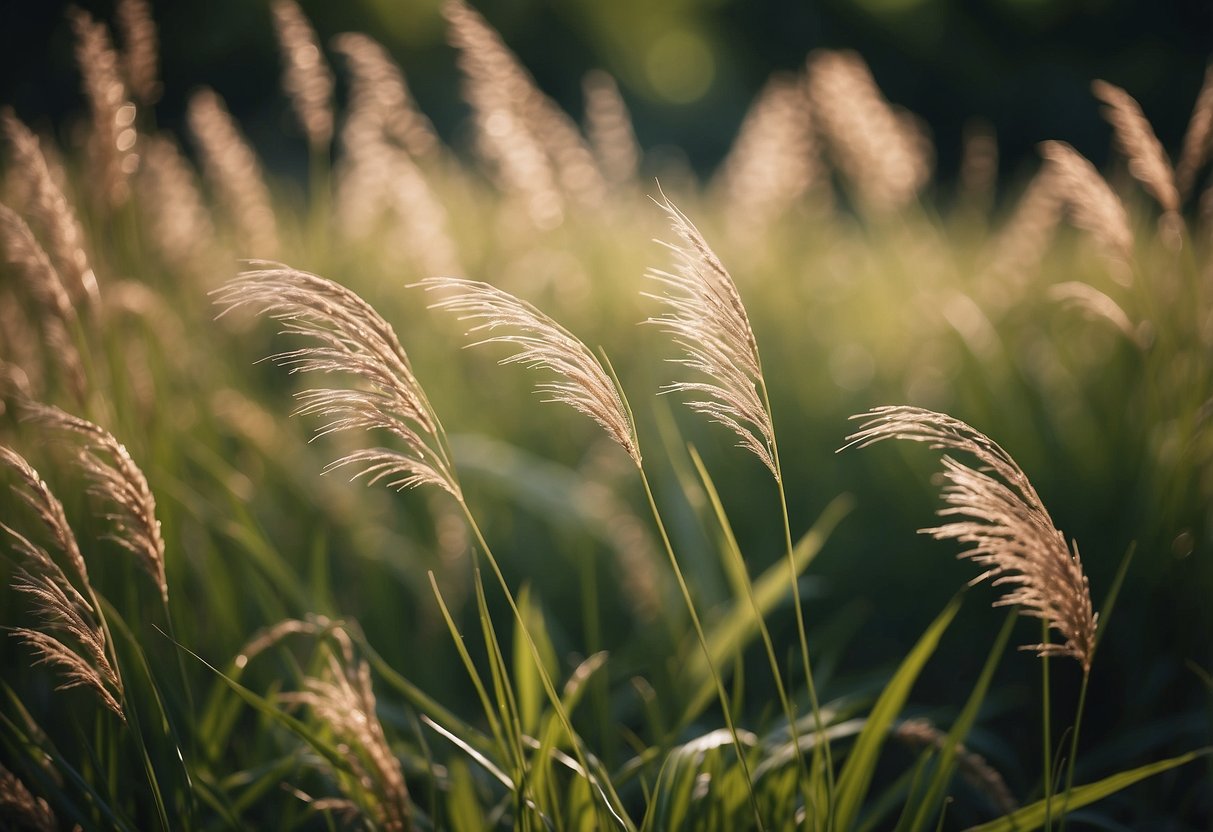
x=707 y=319
x=348 y=337
x=1002 y=520
x=541 y=344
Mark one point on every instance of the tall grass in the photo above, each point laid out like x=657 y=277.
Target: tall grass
x=215 y=625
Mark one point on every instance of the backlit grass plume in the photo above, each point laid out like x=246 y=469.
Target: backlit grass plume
x=707 y=319
x=306 y=75
x=351 y=338
x=120 y=484
x=70 y=637
x=1003 y=521
x=56 y=314
x=233 y=173
x=1092 y=205
x=541 y=344
x=113 y=140
x=1148 y=162
x=341 y=697
x=46 y=207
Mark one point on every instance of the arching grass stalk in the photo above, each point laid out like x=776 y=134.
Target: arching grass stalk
x=763 y=630
x=610 y=799
x=821 y=748
x=707 y=319
x=703 y=643
x=589 y=386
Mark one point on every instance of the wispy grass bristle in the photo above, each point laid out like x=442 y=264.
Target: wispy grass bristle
x=1003 y=521
x=708 y=320
x=352 y=339
x=540 y=343
x=119 y=484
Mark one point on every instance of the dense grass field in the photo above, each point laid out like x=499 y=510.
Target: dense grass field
x=283 y=552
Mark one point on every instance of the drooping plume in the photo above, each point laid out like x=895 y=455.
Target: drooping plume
x=1197 y=138
x=342 y=698
x=541 y=344
x=379 y=94
x=234 y=174
x=306 y=75
x=1002 y=519
x=351 y=338
x=1090 y=202
x=56 y=314
x=48 y=209
x=172 y=204
x=120 y=485
x=535 y=148
x=609 y=127
x=707 y=319
x=70 y=637
x=1135 y=137
x=379 y=175
x=774 y=161
x=112 y=142
x=882 y=151
x=140 y=49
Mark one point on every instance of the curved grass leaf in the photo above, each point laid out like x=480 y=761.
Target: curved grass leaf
x=857 y=772
x=1033 y=817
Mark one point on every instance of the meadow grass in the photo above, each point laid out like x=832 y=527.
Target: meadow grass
x=645 y=610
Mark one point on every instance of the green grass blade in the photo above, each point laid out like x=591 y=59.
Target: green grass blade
x=960 y=729
x=1033 y=817
x=856 y=776
x=738 y=627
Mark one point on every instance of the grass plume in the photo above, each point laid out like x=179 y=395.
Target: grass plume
x=1003 y=521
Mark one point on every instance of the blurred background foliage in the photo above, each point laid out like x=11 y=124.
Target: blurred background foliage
x=688 y=68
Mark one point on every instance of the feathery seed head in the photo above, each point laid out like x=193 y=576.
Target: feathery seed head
x=175 y=211
x=883 y=153
x=536 y=149
x=341 y=696
x=64 y=613
x=234 y=173
x=1092 y=204
x=119 y=483
x=541 y=344
x=140 y=47
x=21 y=807
x=113 y=141
x=57 y=316
x=351 y=338
x=379 y=93
x=1148 y=161
x=1003 y=521
x=49 y=209
x=609 y=126
x=1198 y=138
x=306 y=77
x=774 y=160
x=708 y=320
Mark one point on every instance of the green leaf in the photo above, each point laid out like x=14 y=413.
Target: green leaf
x=857 y=772
x=732 y=633
x=1033 y=817
x=962 y=726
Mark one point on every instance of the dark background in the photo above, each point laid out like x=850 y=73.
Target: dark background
x=1022 y=65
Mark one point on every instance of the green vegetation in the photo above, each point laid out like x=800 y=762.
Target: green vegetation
x=658 y=617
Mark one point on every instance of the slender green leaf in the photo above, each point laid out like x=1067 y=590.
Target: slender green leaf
x=960 y=729
x=857 y=772
x=1033 y=817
